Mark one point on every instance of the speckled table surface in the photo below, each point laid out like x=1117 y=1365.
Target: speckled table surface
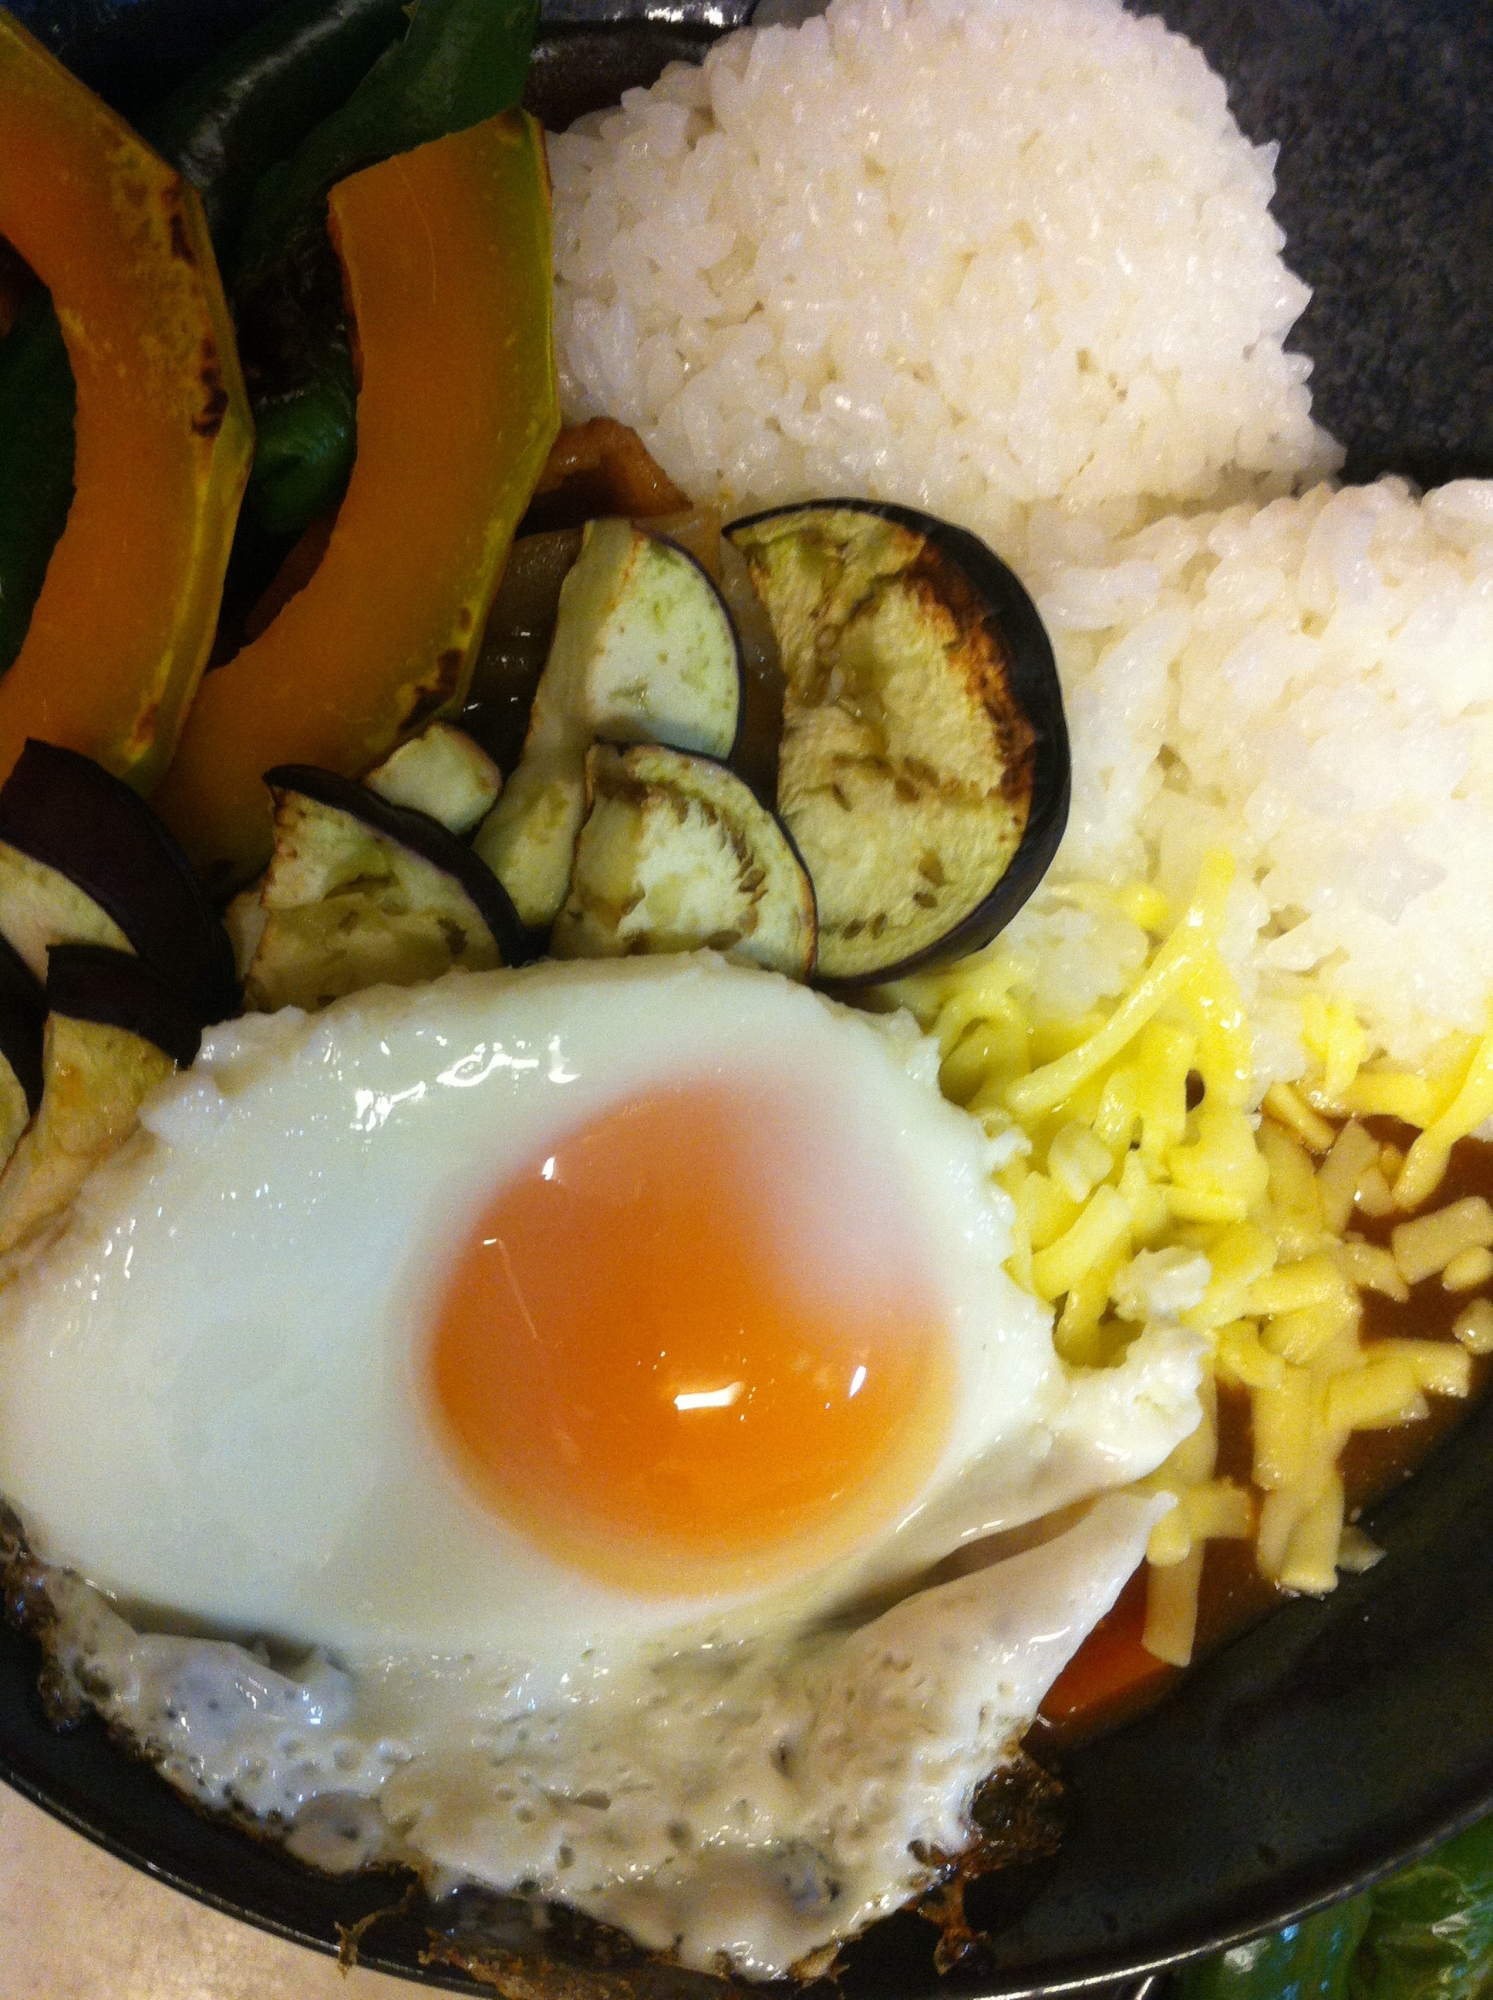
x=75 y=1924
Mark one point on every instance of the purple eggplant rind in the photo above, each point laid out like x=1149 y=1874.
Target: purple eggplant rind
x=93 y=982
x=1033 y=677
x=422 y=835
x=69 y=813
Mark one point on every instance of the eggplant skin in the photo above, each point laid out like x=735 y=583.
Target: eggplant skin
x=114 y=989
x=23 y=1014
x=422 y=835
x=73 y=816
x=925 y=770
x=678 y=855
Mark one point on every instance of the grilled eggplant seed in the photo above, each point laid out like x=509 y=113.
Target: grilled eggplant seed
x=644 y=651
x=912 y=767
x=677 y=854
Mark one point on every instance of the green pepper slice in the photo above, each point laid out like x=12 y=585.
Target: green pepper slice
x=461 y=62
x=228 y=125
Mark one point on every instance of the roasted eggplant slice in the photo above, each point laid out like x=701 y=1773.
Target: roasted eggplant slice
x=676 y=854
x=516 y=643
x=23 y=1011
x=644 y=651
x=88 y=982
x=115 y=1030
x=924 y=765
x=362 y=893
x=84 y=860
x=755 y=757
x=442 y=773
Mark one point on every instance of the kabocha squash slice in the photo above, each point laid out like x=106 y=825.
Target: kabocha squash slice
x=122 y=626
x=446 y=261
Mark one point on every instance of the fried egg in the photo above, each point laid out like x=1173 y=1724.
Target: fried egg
x=575 y=1360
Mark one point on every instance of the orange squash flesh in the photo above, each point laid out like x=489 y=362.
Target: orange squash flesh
x=446 y=261
x=122 y=628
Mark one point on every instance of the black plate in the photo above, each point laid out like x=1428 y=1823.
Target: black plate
x=1341 y=1737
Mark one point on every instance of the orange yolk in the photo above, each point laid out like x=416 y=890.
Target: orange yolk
x=690 y=1347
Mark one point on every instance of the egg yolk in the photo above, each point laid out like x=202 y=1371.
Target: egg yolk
x=692 y=1346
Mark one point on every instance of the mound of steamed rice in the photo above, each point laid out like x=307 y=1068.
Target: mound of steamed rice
x=965 y=254
x=1309 y=686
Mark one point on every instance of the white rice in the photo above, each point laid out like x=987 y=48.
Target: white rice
x=966 y=254
x=1310 y=686
x=1012 y=261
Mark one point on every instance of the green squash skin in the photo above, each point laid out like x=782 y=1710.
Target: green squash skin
x=38 y=404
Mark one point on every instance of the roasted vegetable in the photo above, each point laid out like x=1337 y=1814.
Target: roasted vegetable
x=456 y=413
x=258 y=100
x=163 y=431
x=84 y=860
x=130 y=51
x=308 y=437
x=923 y=770
x=521 y=625
x=37 y=405
x=23 y=1011
x=96 y=1076
x=441 y=773
x=1425 y=1934
x=1430 y=1929
x=89 y=982
x=596 y=469
x=362 y=892
x=676 y=854
x=516 y=643
x=644 y=651
x=460 y=63
x=755 y=757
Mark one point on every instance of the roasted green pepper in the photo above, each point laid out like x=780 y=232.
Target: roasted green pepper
x=307 y=434
x=37 y=407
x=461 y=62
x=256 y=102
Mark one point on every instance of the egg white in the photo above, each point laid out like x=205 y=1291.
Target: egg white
x=207 y=1391
x=210 y=1420
x=741 y=1807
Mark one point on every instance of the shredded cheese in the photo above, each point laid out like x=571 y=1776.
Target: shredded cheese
x=1146 y=1184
